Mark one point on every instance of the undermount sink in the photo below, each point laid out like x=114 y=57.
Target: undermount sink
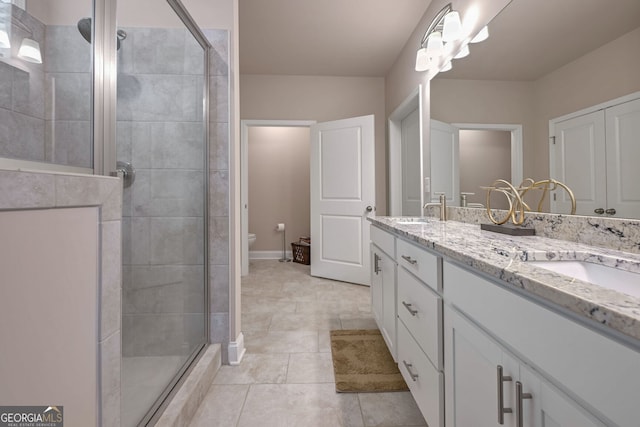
x=624 y=281
x=407 y=221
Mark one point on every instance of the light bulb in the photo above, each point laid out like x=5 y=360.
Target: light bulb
x=4 y=39
x=434 y=44
x=463 y=52
x=30 y=51
x=422 y=60
x=481 y=36
x=452 y=28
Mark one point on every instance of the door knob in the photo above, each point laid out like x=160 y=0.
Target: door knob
x=598 y=211
x=369 y=208
x=610 y=211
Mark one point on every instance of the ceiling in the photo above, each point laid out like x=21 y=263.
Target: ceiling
x=325 y=37
x=531 y=38
x=528 y=39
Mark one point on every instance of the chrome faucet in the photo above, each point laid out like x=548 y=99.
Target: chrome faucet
x=442 y=204
x=465 y=203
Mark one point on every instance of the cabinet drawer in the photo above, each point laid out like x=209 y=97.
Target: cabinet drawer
x=420 y=262
x=385 y=241
x=420 y=308
x=427 y=383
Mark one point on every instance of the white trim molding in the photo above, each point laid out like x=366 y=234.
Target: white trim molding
x=517 y=168
x=244 y=182
x=410 y=104
x=268 y=254
x=236 y=350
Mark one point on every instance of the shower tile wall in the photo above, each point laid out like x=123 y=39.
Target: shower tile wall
x=45 y=109
x=22 y=109
x=159 y=132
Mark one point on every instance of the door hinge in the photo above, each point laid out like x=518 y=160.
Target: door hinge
x=553 y=140
x=554 y=197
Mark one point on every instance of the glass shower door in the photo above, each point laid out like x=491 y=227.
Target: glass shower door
x=161 y=134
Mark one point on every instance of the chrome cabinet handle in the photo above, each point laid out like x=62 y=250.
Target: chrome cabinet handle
x=610 y=211
x=408 y=307
x=413 y=376
x=520 y=396
x=598 y=211
x=369 y=208
x=376 y=264
x=409 y=259
x=501 y=409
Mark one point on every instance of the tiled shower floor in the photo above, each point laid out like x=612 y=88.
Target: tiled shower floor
x=286 y=377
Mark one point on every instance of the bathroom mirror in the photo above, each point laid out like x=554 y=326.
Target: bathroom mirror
x=543 y=60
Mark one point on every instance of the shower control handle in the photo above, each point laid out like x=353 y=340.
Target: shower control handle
x=127 y=172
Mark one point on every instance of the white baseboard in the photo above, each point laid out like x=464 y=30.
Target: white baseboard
x=236 y=350
x=268 y=254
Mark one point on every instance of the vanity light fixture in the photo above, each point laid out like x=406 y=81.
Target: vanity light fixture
x=435 y=47
x=481 y=36
x=440 y=39
x=463 y=52
x=431 y=47
x=4 y=39
x=423 y=61
x=452 y=27
x=30 y=51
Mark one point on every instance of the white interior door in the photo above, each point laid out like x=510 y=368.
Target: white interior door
x=411 y=188
x=444 y=157
x=623 y=152
x=579 y=158
x=342 y=196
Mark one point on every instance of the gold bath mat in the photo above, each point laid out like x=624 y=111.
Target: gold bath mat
x=362 y=362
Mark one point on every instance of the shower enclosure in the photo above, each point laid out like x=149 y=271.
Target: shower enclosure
x=51 y=110
x=161 y=137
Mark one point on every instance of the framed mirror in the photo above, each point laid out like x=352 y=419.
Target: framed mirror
x=543 y=61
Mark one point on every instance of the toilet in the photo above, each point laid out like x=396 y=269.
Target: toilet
x=251 y=239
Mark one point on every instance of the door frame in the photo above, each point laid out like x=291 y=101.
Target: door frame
x=517 y=169
x=244 y=177
x=413 y=101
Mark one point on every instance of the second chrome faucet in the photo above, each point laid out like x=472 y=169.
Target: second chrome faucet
x=442 y=204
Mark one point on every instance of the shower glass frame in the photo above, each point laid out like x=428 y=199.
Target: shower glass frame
x=105 y=157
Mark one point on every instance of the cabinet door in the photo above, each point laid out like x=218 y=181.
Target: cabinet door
x=383 y=296
x=578 y=160
x=389 y=328
x=471 y=380
x=376 y=285
x=623 y=152
x=548 y=406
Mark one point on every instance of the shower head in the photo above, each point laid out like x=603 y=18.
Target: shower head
x=84 y=26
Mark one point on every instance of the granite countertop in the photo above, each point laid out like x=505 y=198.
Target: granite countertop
x=504 y=257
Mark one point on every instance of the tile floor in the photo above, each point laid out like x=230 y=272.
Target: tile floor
x=286 y=376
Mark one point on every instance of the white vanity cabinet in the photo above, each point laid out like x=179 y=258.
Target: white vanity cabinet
x=383 y=285
x=483 y=381
x=419 y=308
x=407 y=306
x=568 y=374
